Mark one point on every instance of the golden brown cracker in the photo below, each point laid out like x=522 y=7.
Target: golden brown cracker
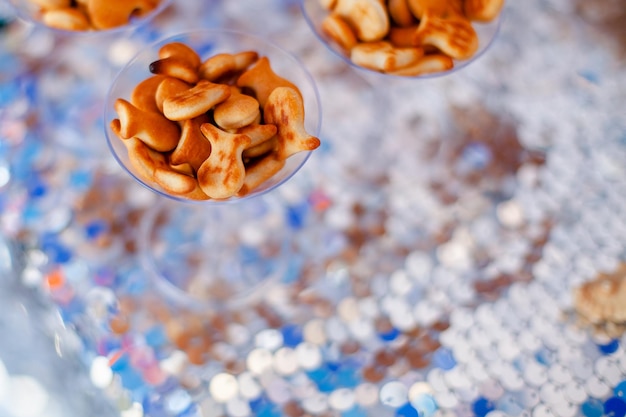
x=262 y=79
x=236 y=111
x=339 y=31
x=222 y=174
x=285 y=109
x=368 y=18
x=152 y=128
x=195 y=101
x=453 y=36
x=428 y=64
x=193 y=147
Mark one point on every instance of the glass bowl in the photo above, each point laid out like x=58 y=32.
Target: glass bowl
x=207 y=43
x=314 y=14
x=31 y=12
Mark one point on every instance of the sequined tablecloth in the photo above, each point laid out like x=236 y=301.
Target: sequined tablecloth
x=439 y=237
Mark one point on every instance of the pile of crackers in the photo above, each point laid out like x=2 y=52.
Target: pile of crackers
x=86 y=15
x=407 y=37
x=211 y=129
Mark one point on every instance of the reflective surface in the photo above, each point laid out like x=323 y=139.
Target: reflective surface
x=438 y=238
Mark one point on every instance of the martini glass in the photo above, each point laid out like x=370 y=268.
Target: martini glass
x=215 y=253
x=314 y=13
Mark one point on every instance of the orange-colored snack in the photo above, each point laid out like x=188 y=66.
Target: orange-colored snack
x=68 y=18
x=154 y=129
x=222 y=174
x=285 y=109
x=108 y=14
x=211 y=139
x=262 y=79
x=88 y=15
x=367 y=30
x=483 y=10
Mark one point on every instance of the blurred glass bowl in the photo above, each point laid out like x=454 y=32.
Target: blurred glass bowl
x=314 y=13
x=206 y=43
x=30 y=11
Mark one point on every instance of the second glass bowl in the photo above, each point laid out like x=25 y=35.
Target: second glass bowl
x=314 y=13
x=74 y=17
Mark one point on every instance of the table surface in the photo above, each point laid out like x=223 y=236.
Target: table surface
x=438 y=236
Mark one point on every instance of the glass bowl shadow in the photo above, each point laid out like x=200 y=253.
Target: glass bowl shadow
x=314 y=15
x=222 y=257
x=209 y=42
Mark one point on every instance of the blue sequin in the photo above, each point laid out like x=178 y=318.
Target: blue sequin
x=294 y=269
x=57 y=252
x=37 y=189
x=407 y=411
x=390 y=335
x=333 y=375
x=120 y=363
x=323 y=378
x=156 y=336
x=192 y=411
x=475 y=156
x=509 y=405
x=8 y=91
x=24 y=161
x=131 y=379
x=153 y=406
x=354 y=412
x=592 y=408
x=332 y=366
x=425 y=404
x=296 y=215
x=347 y=377
x=292 y=335
x=269 y=410
x=259 y=403
x=328 y=384
x=482 y=407
x=249 y=254
x=610 y=347
x=4 y=146
x=444 y=359
x=31 y=213
x=80 y=180
x=140 y=393
x=325 y=147
x=134 y=282
x=615 y=407
x=96 y=228
x=620 y=390
x=544 y=356
x=590 y=76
